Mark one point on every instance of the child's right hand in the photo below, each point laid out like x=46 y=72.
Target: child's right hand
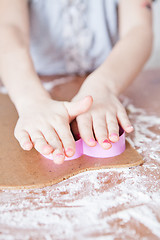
x=45 y=125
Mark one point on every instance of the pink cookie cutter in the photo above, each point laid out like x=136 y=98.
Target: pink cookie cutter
x=97 y=151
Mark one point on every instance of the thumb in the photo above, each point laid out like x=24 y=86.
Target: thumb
x=76 y=108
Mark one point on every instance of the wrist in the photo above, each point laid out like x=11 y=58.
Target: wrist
x=97 y=83
x=107 y=80
x=29 y=100
x=29 y=94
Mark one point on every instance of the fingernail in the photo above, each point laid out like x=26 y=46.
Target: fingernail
x=91 y=141
x=114 y=136
x=59 y=156
x=27 y=145
x=129 y=127
x=107 y=144
x=47 y=149
x=69 y=152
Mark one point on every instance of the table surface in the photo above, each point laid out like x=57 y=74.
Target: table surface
x=102 y=204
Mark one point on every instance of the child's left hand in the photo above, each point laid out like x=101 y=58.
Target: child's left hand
x=101 y=121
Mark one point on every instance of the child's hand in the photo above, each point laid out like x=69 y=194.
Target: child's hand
x=45 y=125
x=102 y=120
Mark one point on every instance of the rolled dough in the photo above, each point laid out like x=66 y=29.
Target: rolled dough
x=20 y=169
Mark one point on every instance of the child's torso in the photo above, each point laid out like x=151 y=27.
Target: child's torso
x=71 y=36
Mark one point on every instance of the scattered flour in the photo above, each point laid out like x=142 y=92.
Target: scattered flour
x=103 y=204
x=47 y=85
x=51 y=84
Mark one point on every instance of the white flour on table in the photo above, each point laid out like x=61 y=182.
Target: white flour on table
x=102 y=204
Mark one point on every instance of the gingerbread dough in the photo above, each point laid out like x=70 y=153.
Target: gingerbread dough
x=21 y=169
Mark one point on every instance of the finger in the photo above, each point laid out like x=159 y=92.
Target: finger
x=40 y=144
x=100 y=130
x=76 y=108
x=85 y=128
x=54 y=141
x=58 y=156
x=113 y=128
x=124 y=120
x=67 y=139
x=23 y=138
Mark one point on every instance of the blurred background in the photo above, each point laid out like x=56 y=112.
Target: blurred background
x=154 y=61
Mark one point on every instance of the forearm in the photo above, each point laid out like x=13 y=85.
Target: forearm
x=126 y=59
x=122 y=65
x=16 y=67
